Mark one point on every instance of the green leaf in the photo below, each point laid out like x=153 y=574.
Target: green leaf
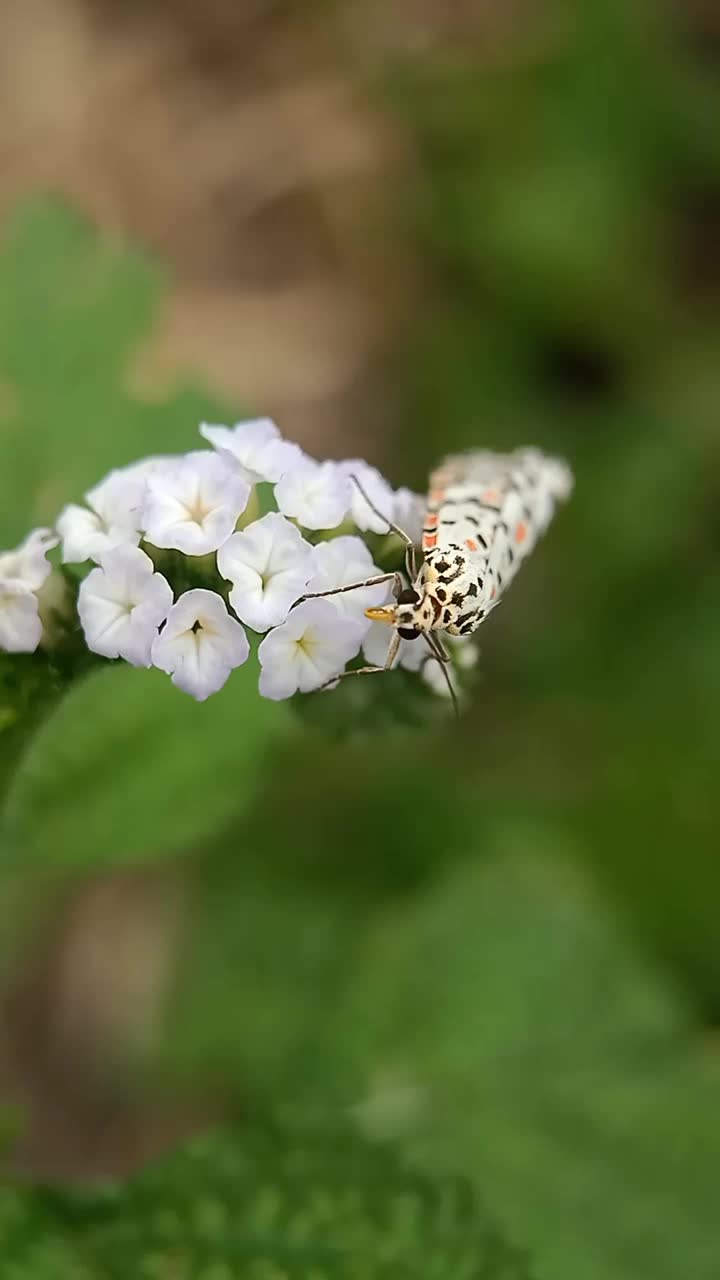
x=511 y=1034
x=75 y=308
x=280 y=907
x=129 y=767
x=267 y=1203
x=33 y=1244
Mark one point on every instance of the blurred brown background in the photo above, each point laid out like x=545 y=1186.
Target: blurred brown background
x=238 y=142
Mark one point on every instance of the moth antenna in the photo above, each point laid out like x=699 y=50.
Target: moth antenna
x=410 y=564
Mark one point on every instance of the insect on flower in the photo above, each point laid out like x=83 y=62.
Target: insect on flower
x=485 y=512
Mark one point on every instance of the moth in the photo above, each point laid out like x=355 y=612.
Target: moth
x=485 y=513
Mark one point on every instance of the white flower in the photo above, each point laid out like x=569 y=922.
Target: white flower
x=200 y=644
x=111 y=518
x=340 y=562
x=409 y=513
x=22 y=573
x=378 y=491
x=316 y=494
x=122 y=604
x=20 y=625
x=135 y=474
x=257 y=445
x=308 y=650
x=27 y=564
x=193 y=503
x=410 y=655
x=269 y=564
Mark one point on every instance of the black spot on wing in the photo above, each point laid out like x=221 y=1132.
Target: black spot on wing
x=483 y=506
x=465 y=619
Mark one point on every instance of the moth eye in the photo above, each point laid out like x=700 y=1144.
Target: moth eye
x=408 y=595
x=408 y=633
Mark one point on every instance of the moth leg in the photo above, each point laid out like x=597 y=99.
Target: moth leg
x=368 y=671
x=410 y=561
x=439 y=653
x=438 y=648
x=394 y=577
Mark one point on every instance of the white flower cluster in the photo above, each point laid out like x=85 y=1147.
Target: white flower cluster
x=193 y=505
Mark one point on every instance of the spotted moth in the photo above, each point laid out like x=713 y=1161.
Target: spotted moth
x=485 y=512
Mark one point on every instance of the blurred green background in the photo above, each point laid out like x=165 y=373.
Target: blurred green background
x=496 y=942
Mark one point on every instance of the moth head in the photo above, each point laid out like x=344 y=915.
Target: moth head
x=404 y=614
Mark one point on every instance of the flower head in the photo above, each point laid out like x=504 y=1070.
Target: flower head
x=308 y=650
x=111 y=518
x=200 y=644
x=269 y=564
x=339 y=562
x=22 y=573
x=378 y=491
x=193 y=503
x=256 y=445
x=316 y=494
x=122 y=604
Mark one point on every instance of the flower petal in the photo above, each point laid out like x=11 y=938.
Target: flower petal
x=411 y=654
x=409 y=513
x=316 y=494
x=269 y=564
x=340 y=562
x=86 y=537
x=306 y=651
x=200 y=644
x=20 y=625
x=122 y=603
x=256 y=446
x=377 y=489
x=193 y=504
x=28 y=563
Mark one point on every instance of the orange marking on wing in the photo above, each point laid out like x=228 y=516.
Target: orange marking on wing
x=491 y=495
x=521 y=532
x=493 y=593
x=429 y=541
x=471 y=544
x=432 y=519
x=437 y=496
